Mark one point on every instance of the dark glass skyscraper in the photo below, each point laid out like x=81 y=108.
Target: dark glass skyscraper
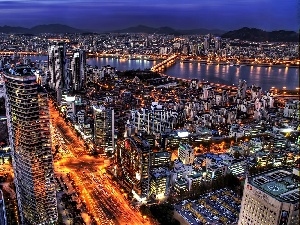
x=78 y=64
x=58 y=68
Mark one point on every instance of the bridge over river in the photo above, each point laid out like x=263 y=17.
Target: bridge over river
x=160 y=67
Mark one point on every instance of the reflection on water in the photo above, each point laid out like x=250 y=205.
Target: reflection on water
x=121 y=64
x=266 y=77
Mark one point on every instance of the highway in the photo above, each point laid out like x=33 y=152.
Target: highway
x=103 y=199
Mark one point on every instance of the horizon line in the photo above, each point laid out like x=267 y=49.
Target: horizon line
x=131 y=26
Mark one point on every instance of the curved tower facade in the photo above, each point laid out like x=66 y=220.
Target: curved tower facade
x=29 y=135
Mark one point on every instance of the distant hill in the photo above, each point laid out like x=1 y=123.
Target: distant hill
x=54 y=28
x=253 y=34
x=49 y=28
x=245 y=33
x=9 y=29
x=166 y=30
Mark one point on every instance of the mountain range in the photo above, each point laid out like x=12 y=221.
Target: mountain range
x=167 y=30
x=59 y=28
x=253 y=34
x=49 y=28
x=245 y=33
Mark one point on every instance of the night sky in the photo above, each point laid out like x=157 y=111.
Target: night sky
x=104 y=15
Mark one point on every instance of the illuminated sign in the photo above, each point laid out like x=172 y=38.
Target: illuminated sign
x=182 y=134
x=70 y=98
x=138 y=176
x=287 y=130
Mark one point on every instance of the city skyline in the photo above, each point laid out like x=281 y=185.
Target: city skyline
x=30 y=141
x=103 y=129
x=117 y=14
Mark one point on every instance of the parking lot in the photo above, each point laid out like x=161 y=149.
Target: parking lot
x=218 y=207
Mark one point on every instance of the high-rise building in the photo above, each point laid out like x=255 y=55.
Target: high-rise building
x=78 y=64
x=134 y=157
x=155 y=119
x=159 y=183
x=29 y=135
x=217 y=43
x=160 y=159
x=57 y=67
x=3 y=219
x=242 y=87
x=205 y=43
x=104 y=134
x=271 y=197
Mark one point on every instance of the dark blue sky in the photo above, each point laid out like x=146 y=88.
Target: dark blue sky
x=103 y=15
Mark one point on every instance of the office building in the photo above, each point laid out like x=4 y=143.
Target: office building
x=104 y=128
x=242 y=88
x=292 y=109
x=57 y=67
x=28 y=125
x=2 y=89
x=78 y=64
x=186 y=153
x=159 y=183
x=215 y=167
x=181 y=186
x=271 y=197
x=3 y=219
x=134 y=157
x=155 y=119
x=160 y=159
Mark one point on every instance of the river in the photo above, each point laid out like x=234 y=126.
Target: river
x=265 y=77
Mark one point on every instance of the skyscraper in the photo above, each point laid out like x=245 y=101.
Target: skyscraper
x=57 y=67
x=104 y=136
x=134 y=156
x=78 y=64
x=29 y=136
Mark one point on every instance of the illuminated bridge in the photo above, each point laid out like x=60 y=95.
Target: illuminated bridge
x=164 y=64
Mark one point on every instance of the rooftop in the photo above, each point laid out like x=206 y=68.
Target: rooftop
x=160 y=172
x=20 y=70
x=281 y=184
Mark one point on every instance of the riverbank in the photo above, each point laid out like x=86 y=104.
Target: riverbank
x=282 y=93
x=237 y=65
x=204 y=62
x=265 y=77
x=159 y=58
